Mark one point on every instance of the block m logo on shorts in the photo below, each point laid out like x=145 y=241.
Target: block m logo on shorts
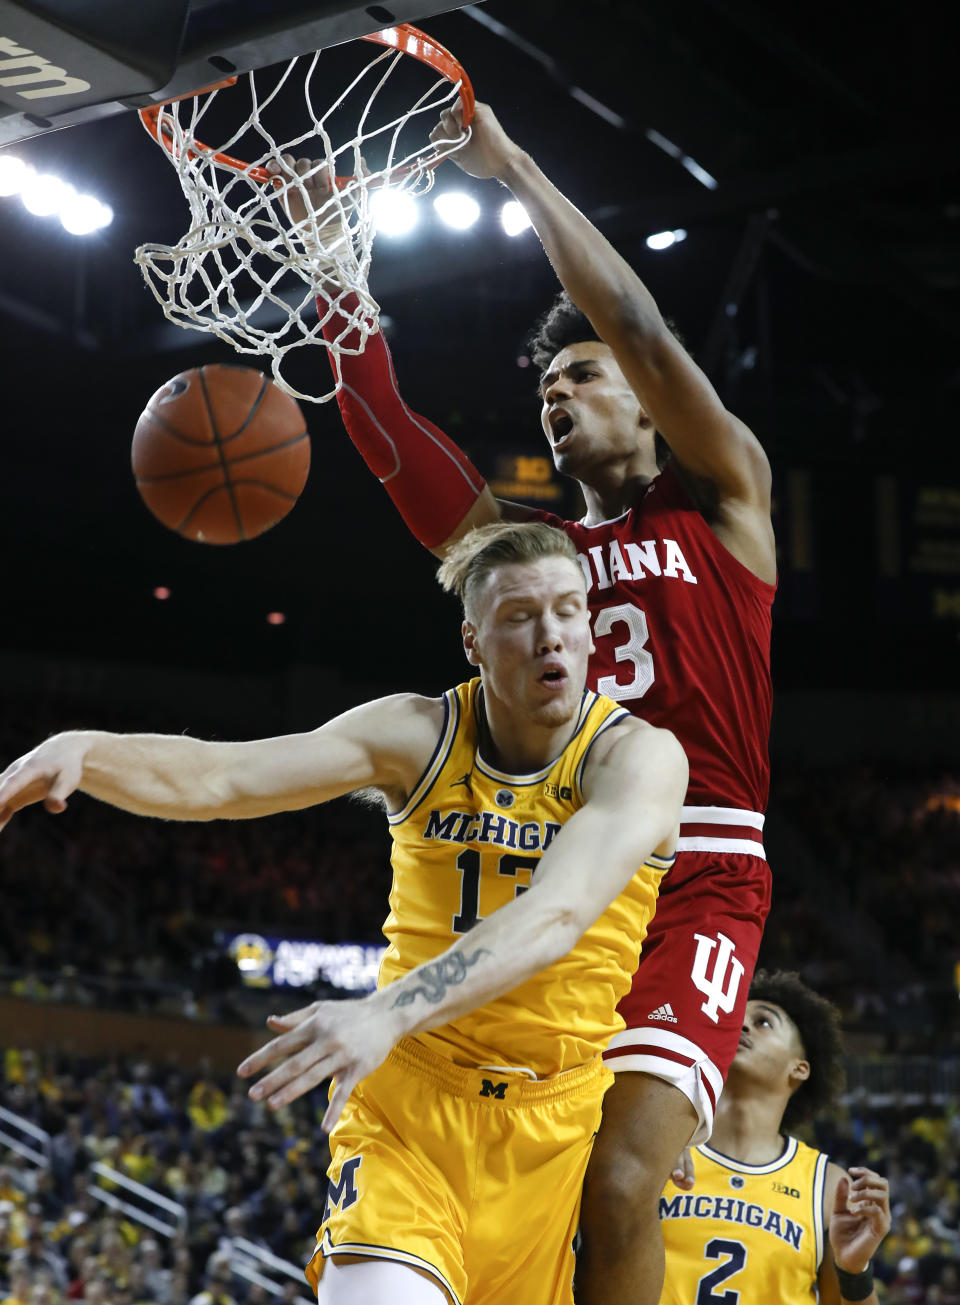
x=343 y=1193
x=719 y=987
x=491 y=1089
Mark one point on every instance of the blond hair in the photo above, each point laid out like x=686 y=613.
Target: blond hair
x=486 y=548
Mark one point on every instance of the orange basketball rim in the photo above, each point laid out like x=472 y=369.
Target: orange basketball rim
x=403 y=38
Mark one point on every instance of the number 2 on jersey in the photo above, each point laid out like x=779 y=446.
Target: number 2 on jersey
x=737 y=1258
x=634 y=651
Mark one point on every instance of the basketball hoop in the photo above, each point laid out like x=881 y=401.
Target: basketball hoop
x=243 y=271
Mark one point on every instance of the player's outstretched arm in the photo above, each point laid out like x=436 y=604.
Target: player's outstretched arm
x=383 y=744
x=435 y=487
x=857 y=1211
x=634 y=790
x=708 y=441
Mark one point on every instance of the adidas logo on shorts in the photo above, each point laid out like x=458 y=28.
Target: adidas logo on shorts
x=664 y=1012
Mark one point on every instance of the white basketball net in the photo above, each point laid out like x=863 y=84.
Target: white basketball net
x=244 y=271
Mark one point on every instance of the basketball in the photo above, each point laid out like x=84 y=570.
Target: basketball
x=220 y=454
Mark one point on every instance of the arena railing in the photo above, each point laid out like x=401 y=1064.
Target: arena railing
x=908 y=1080
x=250 y=1261
x=149 y=1220
x=264 y=1261
x=24 y=1128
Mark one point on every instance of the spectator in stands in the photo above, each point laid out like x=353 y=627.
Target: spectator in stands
x=207 y=1107
x=216 y=1289
x=157 y=1280
x=35 y=1257
x=18 y=1291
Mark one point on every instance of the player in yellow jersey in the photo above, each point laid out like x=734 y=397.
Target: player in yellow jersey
x=769 y=1219
x=532 y=822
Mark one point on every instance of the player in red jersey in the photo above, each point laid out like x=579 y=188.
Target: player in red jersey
x=677 y=547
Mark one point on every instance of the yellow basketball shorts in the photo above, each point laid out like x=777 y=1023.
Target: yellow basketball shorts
x=471 y=1176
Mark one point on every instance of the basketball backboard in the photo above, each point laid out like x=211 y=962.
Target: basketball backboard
x=64 y=62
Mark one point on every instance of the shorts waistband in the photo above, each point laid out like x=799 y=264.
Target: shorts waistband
x=496 y=1086
x=721 y=829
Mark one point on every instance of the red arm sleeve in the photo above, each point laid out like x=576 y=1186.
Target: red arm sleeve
x=432 y=482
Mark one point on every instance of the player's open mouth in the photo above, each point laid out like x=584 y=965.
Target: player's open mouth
x=561 y=424
x=554 y=678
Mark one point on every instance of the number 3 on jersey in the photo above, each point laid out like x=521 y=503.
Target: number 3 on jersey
x=633 y=650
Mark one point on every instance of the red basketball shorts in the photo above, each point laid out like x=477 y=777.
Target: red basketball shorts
x=684 y=1012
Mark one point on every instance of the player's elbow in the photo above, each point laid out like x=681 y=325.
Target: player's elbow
x=634 y=322
x=560 y=930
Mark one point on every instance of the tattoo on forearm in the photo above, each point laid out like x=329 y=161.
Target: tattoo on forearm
x=437 y=977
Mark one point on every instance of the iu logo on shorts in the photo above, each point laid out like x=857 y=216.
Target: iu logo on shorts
x=721 y=985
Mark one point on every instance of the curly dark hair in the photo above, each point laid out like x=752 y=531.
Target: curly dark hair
x=818 y=1023
x=563 y=323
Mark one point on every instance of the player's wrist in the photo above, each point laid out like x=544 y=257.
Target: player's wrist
x=394 y=1018
x=856 y=1284
x=517 y=170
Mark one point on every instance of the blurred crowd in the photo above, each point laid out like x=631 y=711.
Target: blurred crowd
x=147 y=899
x=882 y=845
x=243 y=1175
x=893 y=835
x=238 y=1171
x=917 y=1147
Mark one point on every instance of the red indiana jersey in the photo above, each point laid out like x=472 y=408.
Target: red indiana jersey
x=682 y=634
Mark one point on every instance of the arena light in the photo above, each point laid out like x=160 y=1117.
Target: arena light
x=14 y=173
x=664 y=239
x=514 y=218
x=394 y=211
x=83 y=214
x=43 y=194
x=457 y=209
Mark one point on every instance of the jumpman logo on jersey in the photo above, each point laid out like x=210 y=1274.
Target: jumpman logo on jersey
x=465 y=781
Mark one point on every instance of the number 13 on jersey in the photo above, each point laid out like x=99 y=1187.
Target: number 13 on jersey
x=469 y=864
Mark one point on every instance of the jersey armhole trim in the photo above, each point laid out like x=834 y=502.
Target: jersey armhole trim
x=448 y=732
x=762 y=589
x=614 y=718
x=819 y=1186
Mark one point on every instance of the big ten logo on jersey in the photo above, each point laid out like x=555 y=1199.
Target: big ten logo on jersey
x=343 y=1191
x=562 y=791
x=717 y=977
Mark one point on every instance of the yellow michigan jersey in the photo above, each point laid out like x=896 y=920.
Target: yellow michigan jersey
x=466 y=843
x=746 y=1234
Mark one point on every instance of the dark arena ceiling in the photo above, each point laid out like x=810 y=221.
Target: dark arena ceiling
x=810 y=155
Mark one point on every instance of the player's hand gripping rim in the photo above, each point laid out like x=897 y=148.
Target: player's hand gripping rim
x=319 y=222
